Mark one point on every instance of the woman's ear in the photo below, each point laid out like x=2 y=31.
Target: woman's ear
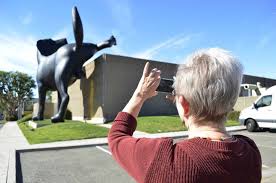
x=185 y=105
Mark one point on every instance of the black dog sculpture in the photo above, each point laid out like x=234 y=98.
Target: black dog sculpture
x=60 y=65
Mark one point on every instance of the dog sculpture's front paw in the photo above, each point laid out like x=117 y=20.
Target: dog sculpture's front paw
x=57 y=119
x=37 y=118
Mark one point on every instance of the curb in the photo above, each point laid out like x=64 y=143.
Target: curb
x=103 y=141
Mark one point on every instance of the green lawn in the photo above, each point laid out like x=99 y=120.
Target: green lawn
x=74 y=130
x=69 y=130
x=159 y=124
x=232 y=123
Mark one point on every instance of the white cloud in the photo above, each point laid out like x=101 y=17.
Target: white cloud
x=122 y=14
x=179 y=41
x=63 y=33
x=27 y=19
x=18 y=53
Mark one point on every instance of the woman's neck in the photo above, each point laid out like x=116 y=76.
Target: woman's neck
x=212 y=130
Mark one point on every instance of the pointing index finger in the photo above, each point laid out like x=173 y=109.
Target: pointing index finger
x=146 y=70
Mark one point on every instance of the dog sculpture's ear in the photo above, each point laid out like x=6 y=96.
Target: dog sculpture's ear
x=77 y=26
x=48 y=46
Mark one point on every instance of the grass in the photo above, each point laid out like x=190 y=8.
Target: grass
x=69 y=130
x=232 y=123
x=160 y=124
x=75 y=130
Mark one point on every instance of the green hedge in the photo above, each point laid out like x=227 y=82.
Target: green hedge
x=27 y=113
x=233 y=115
x=11 y=118
x=25 y=118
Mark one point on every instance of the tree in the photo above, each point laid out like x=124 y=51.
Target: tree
x=15 y=88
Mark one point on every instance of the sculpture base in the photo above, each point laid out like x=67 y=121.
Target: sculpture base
x=32 y=124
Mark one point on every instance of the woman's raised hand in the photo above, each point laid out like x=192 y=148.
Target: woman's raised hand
x=148 y=84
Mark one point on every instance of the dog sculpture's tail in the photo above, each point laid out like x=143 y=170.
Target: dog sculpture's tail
x=77 y=26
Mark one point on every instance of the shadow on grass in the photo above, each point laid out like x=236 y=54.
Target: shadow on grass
x=48 y=122
x=43 y=123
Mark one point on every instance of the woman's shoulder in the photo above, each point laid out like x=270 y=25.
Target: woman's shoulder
x=247 y=139
x=243 y=137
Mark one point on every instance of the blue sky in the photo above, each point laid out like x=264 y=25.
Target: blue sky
x=159 y=30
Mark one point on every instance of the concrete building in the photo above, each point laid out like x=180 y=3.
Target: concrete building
x=106 y=90
x=247 y=97
x=255 y=80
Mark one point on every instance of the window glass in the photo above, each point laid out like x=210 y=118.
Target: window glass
x=264 y=101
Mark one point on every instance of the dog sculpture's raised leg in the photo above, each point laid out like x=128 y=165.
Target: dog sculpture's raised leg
x=41 y=102
x=107 y=44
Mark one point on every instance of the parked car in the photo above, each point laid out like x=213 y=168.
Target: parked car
x=262 y=113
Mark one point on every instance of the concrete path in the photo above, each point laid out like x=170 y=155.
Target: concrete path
x=11 y=138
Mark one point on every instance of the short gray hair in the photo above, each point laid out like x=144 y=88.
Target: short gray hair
x=210 y=82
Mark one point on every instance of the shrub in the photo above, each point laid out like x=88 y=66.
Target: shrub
x=25 y=118
x=233 y=115
x=11 y=118
x=27 y=113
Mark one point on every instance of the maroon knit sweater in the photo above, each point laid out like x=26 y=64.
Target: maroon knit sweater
x=192 y=160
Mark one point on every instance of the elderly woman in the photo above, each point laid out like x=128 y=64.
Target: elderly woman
x=206 y=89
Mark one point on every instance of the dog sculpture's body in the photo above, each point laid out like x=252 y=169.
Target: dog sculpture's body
x=60 y=65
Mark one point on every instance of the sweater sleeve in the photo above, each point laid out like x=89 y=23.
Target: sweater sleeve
x=133 y=154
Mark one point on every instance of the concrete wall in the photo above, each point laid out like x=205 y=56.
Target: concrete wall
x=107 y=89
x=49 y=111
x=121 y=84
x=244 y=102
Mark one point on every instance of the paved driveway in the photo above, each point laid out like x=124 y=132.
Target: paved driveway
x=95 y=164
x=266 y=142
x=74 y=165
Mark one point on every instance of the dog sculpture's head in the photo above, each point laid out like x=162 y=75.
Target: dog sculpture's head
x=48 y=46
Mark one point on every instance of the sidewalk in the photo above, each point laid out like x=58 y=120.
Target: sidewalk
x=11 y=139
